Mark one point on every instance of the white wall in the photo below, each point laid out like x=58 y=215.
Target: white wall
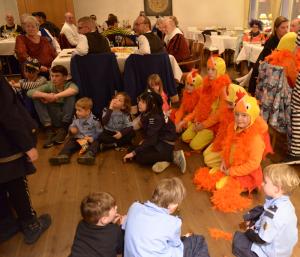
x=8 y=6
x=200 y=13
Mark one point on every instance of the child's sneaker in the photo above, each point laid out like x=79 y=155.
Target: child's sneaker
x=88 y=158
x=159 y=167
x=59 y=159
x=179 y=160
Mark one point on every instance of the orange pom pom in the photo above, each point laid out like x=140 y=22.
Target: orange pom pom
x=204 y=180
x=229 y=199
x=219 y=234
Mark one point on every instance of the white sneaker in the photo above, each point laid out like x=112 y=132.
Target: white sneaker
x=179 y=160
x=159 y=167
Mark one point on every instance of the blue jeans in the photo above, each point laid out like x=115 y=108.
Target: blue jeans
x=55 y=114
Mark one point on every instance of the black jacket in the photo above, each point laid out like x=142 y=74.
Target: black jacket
x=17 y=134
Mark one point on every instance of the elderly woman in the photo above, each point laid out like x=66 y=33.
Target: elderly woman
x=33 y=45
x=255 y=35
x=175 y=41
x=281 y=27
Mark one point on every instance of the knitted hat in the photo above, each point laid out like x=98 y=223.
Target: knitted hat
x=288 y=42
x=248 y=104
x=194 y=78
x=32 y=64
x=217 y=63
x=234 y=93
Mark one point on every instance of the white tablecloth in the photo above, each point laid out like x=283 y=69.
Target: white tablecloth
x=249 y=52
x=223 y=42
x=64 y=58
x=7 y=46
x=193 y=34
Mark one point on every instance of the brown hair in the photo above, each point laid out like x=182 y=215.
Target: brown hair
x=96 y=205
x=279 y=20
x=84 y=103
x=60 y=69
x=155 y=78
x=283 y=176
x=168 y=191
x=127 y=102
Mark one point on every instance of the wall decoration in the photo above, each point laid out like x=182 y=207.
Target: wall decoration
x=158 y=7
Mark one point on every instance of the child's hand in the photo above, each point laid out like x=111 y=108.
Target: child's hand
x=112 y=104
x=179 y=126
x=118 y=135
x=73 y=130
x=198 y=126
x=89 y=139
x=32 y=154
x=188 y=234
x=43 y=69
x=128 y=156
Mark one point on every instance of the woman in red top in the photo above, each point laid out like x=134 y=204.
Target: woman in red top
x=33 y=45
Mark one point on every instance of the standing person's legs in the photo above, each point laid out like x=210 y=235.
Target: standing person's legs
x=194 y=246
x=241 y=246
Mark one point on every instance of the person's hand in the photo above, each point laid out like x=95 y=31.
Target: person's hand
x=118 y=135
x=128 y=156
x=197 y=126
x=223 y=168
x=188 y=234
x=180 y=126
x=112 y=104
x=89 y=139
x=73 y=130
x=44 y=69
x=32 y=154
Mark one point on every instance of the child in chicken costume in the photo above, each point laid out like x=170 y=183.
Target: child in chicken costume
x=200 y=132
x=189 y=99
x=244 y=146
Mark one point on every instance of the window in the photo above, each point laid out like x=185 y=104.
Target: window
x=264 y=12
x=295 y=9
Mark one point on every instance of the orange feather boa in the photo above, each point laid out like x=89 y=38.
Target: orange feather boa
x=205 y=180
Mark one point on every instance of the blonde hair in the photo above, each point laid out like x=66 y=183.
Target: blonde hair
x=168 y=191
x=96 y=205
x=84 y=103
x=155 y=78
x=283 y=176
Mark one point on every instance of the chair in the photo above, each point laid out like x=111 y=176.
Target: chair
x=196 y=56
x=139 y=67
x=63 y=42
x=98 y=77
x=209 y=49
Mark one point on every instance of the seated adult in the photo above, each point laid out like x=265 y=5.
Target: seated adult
x=90 y=40
x=295 y=25
x=33 y=45
x=51 y=27
x=105 y=24
x=255 y=35
x=69 y=29
x=281 y=26
x=148 y=42
x=175 y=41
x=10 y=28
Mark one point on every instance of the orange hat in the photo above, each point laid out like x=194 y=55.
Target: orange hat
x=217 y=63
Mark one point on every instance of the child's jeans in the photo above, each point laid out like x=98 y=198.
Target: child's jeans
x=194 y=246
x=241 y=246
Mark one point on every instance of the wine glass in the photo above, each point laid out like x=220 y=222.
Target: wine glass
x=118 y=39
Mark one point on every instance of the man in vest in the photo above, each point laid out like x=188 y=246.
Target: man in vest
x=90 y=40
x=148 y=42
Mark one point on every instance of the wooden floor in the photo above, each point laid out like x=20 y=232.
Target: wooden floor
x=59 y=190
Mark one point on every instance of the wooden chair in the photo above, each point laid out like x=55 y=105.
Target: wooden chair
x=195 y=59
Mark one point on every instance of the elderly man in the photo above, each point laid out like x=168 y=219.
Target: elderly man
x=10 y=27
x=148 y=42
x=90 y=40
x=176 y=43
x=295 y=25
x=70 y=30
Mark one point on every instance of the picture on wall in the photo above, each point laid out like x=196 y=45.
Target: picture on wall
x=158 y=7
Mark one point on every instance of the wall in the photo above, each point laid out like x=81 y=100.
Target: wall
x=8 y=6
x=200 y=13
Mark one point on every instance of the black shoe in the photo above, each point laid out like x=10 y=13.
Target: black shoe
x=8 y=228
x=49 y=141
x=59 y=159
x=60 y=136
x=292 y=160
x=88 y=158
x=36 y=228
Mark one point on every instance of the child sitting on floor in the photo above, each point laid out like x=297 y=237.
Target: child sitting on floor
x=98 y=234
x=271 y=230
x=199 y=134
x=157 y=147
x=245 y=144
x=152 y=230
x=190 y=98
x=155 y=85
x=117 y=128
x=84 y=129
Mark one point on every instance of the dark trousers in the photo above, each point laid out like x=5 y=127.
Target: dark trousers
x=15 y=194
x=241 y=246
x=106 y=137
x=70 y=147
x=194 y=246
x=158 y=153
x=253 y=79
